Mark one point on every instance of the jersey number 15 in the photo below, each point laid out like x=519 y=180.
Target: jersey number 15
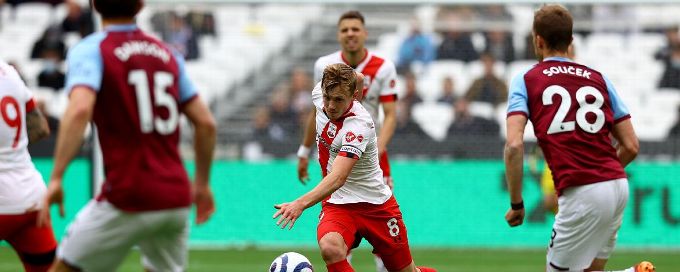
x=148 y=122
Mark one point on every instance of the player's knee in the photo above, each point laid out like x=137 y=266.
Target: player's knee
x=333 y=248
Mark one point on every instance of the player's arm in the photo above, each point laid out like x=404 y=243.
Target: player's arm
x=514 y=159
x=36 y=126
x=205 y=134
x=289 y=212
x=306 y=146
x=628 y=145
x=389 y=125
x=69 y=139
x=71 y=128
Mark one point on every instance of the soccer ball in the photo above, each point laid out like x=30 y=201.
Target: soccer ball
x=291 y=262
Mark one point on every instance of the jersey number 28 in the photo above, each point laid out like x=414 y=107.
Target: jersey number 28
x=148 y=122
x=558 y=124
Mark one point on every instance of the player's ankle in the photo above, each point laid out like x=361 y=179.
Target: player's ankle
x=341 y=266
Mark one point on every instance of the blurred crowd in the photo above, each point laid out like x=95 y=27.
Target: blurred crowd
x=280 y=122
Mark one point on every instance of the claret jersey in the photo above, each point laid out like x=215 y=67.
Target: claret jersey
x=573 y=109
x=141 y=87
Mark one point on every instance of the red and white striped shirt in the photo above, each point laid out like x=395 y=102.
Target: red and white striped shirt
x=352 y=136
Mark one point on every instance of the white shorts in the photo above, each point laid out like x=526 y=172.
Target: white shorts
x=102 y=235
x=21 y=190
x=586 y=225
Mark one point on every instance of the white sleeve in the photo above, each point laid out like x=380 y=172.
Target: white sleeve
x=13 y=75
x=317 y=97
x=388 y=83
x=318 y=70
x=356 y=134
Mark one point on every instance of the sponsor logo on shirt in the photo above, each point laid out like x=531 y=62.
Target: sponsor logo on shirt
x=360 y=138
x=349 y=137
x=332 y=130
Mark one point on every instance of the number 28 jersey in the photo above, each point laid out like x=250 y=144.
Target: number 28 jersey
x=141 y=87
x=573 y=109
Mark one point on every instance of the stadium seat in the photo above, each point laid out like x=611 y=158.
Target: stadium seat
x=433 y=118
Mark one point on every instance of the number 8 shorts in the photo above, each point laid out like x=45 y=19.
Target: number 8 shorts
x=380 y=224
x=586 y=225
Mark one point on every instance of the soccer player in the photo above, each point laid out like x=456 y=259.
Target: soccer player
x=356 y=201
x=21 y=186
x=134 y=88
x=574 y=109
x=379 y=88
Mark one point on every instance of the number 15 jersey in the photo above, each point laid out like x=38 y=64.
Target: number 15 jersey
x=573 y=109
x=141 y=87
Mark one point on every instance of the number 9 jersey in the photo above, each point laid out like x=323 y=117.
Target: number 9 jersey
x=141 y=86
x=573 y=109
x=21 y=185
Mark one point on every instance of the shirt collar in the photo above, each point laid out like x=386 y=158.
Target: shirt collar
x=121 y=28
x=558 y=59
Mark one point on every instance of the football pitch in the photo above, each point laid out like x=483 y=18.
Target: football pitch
x=445 y=260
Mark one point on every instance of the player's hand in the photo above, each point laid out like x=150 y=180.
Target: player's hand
x=289 y=212
x=515 y=217
x=54 y=195
x=389 y=181
x=303 y=174
x=205 y=205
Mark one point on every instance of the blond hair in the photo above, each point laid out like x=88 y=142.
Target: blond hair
x=339 y=75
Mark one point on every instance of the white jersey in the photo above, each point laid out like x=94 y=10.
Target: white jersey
x=352 y=136
x=380 y=80
x=21 y=186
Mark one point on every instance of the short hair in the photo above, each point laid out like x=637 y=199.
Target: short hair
x=554 y=24
x=352 y=14
x=339 y=75
x=117 y=8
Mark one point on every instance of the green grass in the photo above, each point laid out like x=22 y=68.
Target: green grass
x=451 y=260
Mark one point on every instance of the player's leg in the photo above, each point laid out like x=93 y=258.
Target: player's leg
x=335 y=233
x=165 y=245
x=98 y=239
x=36 y=246
x=383 y=227
x=600 y=261
x=586 y=222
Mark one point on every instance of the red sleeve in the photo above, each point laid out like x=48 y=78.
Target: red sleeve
x=388 y=98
